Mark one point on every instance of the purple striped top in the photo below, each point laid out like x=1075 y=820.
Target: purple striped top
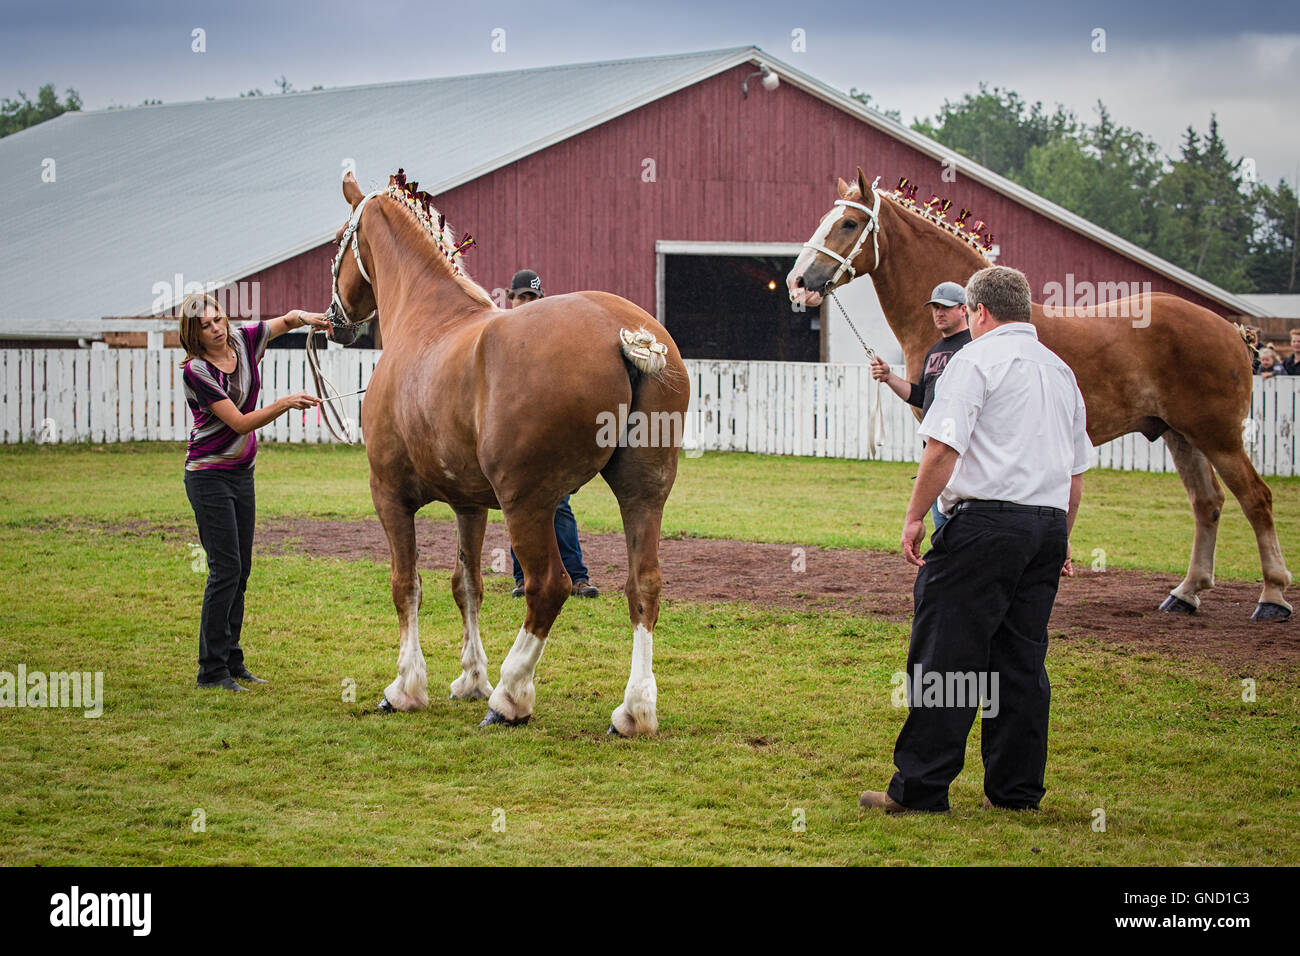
x=213 y=443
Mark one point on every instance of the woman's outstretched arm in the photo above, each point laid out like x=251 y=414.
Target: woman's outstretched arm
x=294 y=320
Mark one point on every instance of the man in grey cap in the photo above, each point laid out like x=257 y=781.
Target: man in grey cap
x=948 y=308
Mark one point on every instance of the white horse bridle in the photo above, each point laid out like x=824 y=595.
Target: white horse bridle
x=338 y=314
x=872 y=228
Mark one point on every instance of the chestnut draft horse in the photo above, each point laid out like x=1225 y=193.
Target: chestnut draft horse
x=484 y=408
x=1151 y=363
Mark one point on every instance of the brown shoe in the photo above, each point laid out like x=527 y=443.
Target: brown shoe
x=873 y=799
x=988 y=804
x=585 y=589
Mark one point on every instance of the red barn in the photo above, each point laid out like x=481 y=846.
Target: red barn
x=682 y=183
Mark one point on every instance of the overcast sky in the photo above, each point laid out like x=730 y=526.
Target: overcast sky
x=1166 y=64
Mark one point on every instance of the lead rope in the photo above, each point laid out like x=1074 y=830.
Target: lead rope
x=324 y=386
x=877 y=424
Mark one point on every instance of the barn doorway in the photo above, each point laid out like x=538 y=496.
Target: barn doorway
x=731 y=303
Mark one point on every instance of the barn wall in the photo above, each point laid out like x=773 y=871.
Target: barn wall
x=302 y=282
x=726 y=169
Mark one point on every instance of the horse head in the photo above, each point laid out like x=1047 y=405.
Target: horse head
x=845 y=245
x=353 y=295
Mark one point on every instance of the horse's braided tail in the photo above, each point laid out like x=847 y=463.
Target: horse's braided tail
x=644 y=351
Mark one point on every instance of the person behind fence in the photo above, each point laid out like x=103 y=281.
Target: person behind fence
x=526 y=286
x=222 y=382
x=1293 y=360
x=1008 y=445
x=948 y=309
x=1270 y=363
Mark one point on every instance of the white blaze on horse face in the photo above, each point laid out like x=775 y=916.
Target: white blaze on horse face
x=808 y=256
x=637 y=714
x=514 y=696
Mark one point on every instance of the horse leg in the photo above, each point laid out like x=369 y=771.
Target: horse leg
x=409 y=690
x=467 y=588
x=546 y=585
x=1206 y=497
x=641 y=479
x=1256 y=500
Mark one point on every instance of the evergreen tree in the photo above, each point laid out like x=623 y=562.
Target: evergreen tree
x=1275 y=253
x=1204 y=220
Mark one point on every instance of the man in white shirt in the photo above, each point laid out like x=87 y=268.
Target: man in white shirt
x=1007 y=449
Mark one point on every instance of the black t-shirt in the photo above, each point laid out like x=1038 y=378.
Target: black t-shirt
x=936 y=360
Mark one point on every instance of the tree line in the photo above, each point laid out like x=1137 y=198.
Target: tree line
x=1202 y=210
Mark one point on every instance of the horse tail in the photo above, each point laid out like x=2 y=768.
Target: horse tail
x=643 y=351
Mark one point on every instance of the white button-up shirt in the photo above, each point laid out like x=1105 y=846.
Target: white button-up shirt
x=1014 y=413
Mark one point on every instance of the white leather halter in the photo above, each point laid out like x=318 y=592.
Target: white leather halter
x=871 y=228
x=338 y=315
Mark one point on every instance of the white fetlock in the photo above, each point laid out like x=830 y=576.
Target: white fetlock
x=403 y=695
x=471 y=685
x=638 y=715
x=514 y=695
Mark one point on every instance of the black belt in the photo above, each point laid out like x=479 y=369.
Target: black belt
x=978 y=504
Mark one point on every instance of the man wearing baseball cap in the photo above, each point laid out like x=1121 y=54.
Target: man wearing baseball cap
x=526 y=286
x=948 y=308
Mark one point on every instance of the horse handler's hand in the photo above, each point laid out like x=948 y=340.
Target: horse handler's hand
x=315 y=320
x=302 y=400
x=1067 y=569
x=880 y=369
x=913 y=534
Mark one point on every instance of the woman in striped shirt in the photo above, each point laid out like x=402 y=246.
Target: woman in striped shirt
x=222 y=382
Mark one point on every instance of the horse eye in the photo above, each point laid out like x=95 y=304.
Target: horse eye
x=850 y=224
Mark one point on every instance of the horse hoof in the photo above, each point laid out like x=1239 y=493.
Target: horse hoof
x=612 y=732
x=1267 y=611
x=1176 y=605
x=385 y=707
x=494 y=718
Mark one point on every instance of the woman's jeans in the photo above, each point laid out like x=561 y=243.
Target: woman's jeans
x=224 y=508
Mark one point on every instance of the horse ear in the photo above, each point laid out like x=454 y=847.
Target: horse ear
x=863 y=189
x=843 y=188
x=351 y=191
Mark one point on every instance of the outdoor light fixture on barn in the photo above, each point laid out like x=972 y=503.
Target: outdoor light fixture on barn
x=770 y=80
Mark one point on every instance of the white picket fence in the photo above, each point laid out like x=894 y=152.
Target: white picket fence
x=775 y=408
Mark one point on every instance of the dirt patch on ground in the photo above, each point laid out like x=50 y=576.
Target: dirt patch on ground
x=1114 y=607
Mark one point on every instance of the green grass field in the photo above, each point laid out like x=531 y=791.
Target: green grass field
x=767 y=717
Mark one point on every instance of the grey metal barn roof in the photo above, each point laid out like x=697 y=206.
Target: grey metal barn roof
x=215 y=190
x=218 y=189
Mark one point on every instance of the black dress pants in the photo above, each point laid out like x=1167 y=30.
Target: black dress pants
x=224 y=508
x=982 y=602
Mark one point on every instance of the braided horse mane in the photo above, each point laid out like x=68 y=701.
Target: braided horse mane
x=419 y=204
x=935 y=212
